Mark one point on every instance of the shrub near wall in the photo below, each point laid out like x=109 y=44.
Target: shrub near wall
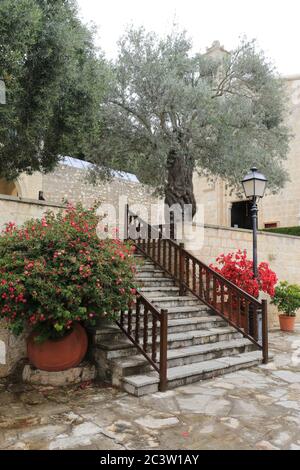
x=295 y=231
x=56 y=271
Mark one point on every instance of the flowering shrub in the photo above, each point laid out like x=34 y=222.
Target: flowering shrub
x=56 y=271
x=238 y=269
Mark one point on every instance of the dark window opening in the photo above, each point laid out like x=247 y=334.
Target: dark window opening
x=271 y=225
x=241 y=216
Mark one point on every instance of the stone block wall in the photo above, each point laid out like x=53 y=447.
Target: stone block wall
x=12 y=349
x=14 y=209
x=69 y=183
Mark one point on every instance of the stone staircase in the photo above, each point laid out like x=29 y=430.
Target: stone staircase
x=201 y=345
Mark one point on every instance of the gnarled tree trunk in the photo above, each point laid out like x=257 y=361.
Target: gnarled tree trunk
x=179 y=188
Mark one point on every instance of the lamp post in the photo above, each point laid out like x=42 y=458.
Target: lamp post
x=254 y=185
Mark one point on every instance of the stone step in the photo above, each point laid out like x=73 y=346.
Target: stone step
x=173 y=301
x=124 y=347
x=189 y=311
x=156 y=282
x=159 y=291
x=153 y=273
x=147 y=267
x=180 y=325
x=143 y=384
x=137 y=364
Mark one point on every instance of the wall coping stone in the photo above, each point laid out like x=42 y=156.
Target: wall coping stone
x=23 y=200
x=244 y=230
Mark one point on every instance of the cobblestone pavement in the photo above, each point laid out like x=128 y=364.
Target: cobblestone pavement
x=258 y=408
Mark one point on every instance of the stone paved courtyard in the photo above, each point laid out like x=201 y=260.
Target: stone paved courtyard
x=257 y=408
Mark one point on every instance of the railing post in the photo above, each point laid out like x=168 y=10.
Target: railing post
x=163 y=357
x=181 y=269
x=265 y=344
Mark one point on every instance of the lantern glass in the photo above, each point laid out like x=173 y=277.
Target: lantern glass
x=254 y=184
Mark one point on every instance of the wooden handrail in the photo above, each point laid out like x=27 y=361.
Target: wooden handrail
x=240 y=309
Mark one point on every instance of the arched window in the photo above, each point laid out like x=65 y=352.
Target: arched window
x=8 y=188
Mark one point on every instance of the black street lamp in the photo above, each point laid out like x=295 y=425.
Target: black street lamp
x=254 y=185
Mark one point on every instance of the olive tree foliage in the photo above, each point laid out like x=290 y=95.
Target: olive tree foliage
x=54 y=79
x=170 y=111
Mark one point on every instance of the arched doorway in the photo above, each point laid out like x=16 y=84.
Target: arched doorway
x=9 y=188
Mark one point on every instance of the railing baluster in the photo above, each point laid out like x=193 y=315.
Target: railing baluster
x=176 y=262
x=194 y=275
x=153 y=248
x=246 y=324
x=181 y=269
x=149 y=240
x=170 y=258
x=145 y=333
x=222 y=298
x=154 y=338
x=164 y=252
x=200 y=282
x=214 y=292
x=187 y=271
x=129 y=323
x=137 y=320
x=238 y=307
x=230 y=305
x=159 y=249
x=207 y=286
x=255 y=322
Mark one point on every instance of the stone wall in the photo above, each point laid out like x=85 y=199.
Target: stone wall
x=14 y=209
x=68 y=183
x=12 y=349
x=282 y=252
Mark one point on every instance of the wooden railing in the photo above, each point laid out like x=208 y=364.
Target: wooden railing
x=147 y=328
x=244 y=312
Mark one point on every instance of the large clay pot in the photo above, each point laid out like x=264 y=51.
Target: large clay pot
x=60 y=354
x=287 y=323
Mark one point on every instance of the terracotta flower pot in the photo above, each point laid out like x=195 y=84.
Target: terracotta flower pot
x=60 y=354
x=287 y=323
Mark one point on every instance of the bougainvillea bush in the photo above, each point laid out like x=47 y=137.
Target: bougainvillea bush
x=237 y=268
x=56 y=271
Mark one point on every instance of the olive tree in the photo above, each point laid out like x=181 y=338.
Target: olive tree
x=170 y=111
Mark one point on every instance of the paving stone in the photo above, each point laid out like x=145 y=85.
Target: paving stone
x=250 y=409
x=156 y=423
x=86 y=429
x=265 y=445
x=288 y=376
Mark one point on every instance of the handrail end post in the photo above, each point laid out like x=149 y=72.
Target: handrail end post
x=265 y=346
x=163 y=360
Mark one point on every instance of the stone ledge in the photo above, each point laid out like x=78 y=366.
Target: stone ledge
x=75 y=375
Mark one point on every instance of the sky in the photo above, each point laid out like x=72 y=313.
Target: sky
x=275 y=24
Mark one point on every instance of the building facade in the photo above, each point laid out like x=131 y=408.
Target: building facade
x=280 y=210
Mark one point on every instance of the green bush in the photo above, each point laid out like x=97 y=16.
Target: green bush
x=56 y=271
x=285 y=230
x=287 y=298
